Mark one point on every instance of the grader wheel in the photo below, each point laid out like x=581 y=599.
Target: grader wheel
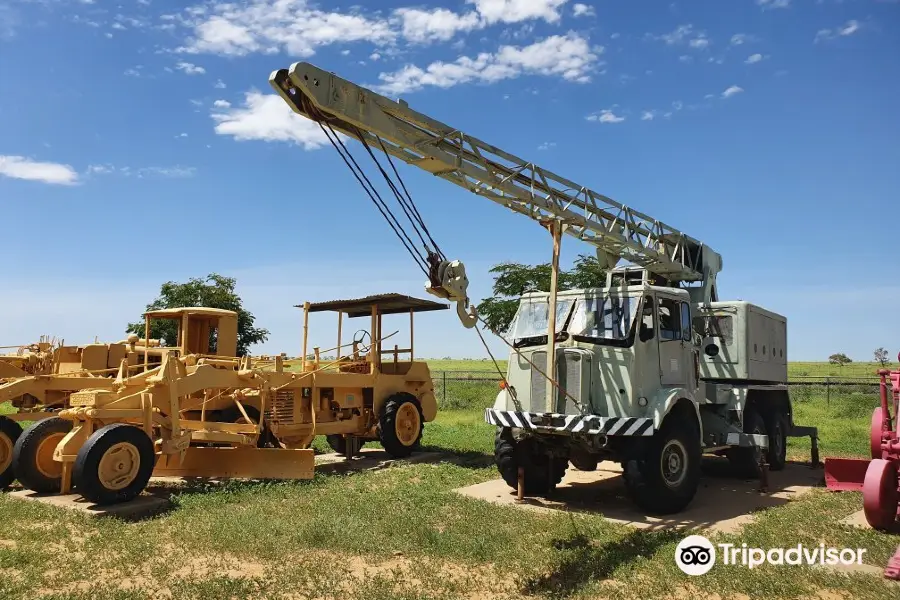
x=9 y=433
x=33 y=461
x=114 y=465
x=401 y=424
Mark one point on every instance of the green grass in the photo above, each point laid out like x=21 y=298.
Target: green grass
x=403 y=533
x=824 y=369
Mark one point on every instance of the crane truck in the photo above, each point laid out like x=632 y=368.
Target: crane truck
x=652 y=370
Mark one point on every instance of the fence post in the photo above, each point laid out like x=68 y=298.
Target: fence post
x=827 y=390
x=445 y=388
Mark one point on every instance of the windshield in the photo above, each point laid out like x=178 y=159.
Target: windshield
x=604 y=318
x=532 y=318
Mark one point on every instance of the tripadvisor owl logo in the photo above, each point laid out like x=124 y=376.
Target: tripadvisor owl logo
x=695 y=555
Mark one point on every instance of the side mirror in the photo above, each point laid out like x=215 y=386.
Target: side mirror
x=646 y=333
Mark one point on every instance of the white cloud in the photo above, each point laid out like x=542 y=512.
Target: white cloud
x=221 y=104
x=648 y=115
x=173 y=172
x=767 y=4
x=118 y=26
x=515 y=11
x=547 y=146
x=739 y=39
x=374 y=56
x=605 y=116
x=686 y=58
x=754 y=58
x=190 y=68
x=583 y=10
x=438 y=24
x=19 y=167
x=181 y=135
x=699 y=42
x=134 y=71
x=268 y=118
x=219 y=85
x=568 y=56
x=731 y=91
x=849 y=28
x=297 y=28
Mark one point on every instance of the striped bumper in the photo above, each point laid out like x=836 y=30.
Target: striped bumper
x=554 y=423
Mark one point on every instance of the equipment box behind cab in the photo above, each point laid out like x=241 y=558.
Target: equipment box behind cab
x=742 y=342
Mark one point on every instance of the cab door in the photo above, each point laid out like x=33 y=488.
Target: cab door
x=675 y=348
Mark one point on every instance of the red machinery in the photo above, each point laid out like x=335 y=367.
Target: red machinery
x=879 y=477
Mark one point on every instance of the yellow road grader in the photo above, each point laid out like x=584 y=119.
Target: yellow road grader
x=192 y=413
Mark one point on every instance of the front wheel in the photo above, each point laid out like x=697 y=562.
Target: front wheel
x=776 y=429
x=663 y=475
x=401 y=424
x=543 y=472
x=115 y=464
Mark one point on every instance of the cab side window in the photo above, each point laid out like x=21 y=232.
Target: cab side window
x=686 y=321
x=648 y=326
x=669 y=320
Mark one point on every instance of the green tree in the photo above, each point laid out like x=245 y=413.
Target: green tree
x=214 y=291
x=514 y=279
x=840 y=359
x=881 y=357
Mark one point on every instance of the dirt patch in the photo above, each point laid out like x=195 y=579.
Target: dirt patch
x=8 y=544
x=220 y=565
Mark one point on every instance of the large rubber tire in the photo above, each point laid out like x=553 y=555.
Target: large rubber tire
x=401 y=424
x=233 y=414
x=777 y=429
x=33 y=455
x=510 y=454
x=880 y=496
x=9 y=433
x=663 y=474
x=745 y=461
x=114 y=465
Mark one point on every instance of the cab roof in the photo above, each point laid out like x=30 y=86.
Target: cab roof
x=386 y=303
x=204 y=311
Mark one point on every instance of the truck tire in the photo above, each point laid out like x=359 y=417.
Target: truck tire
x=401 y=424
x=233 y=414
x=745 y=461
x=663 y=474
x=9 y=433
x=509 y=455
x=338 y=442
x=776 y=429
x=114 y=465
x=33 y=461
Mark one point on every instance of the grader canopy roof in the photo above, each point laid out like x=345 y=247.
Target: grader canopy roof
x=169 y=313
x=387 y=304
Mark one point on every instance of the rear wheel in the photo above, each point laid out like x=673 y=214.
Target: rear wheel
x=745 y=461
x=233 y=414
x=542 y=471
x=9 y=433
x=401 y=424
x=663 y=475
x=33 y=461
x=114 y=465
x=776 y=429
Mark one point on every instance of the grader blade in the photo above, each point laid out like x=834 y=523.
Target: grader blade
x=845 y=474
x=239 y=463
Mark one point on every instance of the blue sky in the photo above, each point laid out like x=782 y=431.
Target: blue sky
x=140 y=143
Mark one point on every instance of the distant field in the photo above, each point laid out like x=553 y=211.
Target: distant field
x=795 y=369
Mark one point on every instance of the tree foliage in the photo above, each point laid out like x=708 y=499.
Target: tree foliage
x=840 y=359
x=881 y=357
x=511 y=280
x=214 y=291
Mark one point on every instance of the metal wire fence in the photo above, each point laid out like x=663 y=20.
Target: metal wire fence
x=476 y=389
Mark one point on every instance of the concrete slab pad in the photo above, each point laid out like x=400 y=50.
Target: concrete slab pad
x=722 y=503
x=858 y=519
x=141 y=507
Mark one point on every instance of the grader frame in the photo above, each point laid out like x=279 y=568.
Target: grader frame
x=170 y=419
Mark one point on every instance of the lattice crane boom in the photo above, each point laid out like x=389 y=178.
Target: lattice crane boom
x=615 y=230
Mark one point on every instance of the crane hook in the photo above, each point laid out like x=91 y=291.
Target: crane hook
x=447 y=279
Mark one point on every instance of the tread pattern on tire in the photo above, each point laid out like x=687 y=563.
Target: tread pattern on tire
x=85 y=473
x=387 y=429
x=11 y=430
x=510 y=454
x=743 y=460
x=777 y=418
x=643 y=476
x=25 y=451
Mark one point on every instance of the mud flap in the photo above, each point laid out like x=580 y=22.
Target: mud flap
x=239 y=463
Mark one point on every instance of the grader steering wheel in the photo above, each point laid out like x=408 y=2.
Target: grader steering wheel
x=359 y=338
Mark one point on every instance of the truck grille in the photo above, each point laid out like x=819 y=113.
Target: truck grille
x=569 y=375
